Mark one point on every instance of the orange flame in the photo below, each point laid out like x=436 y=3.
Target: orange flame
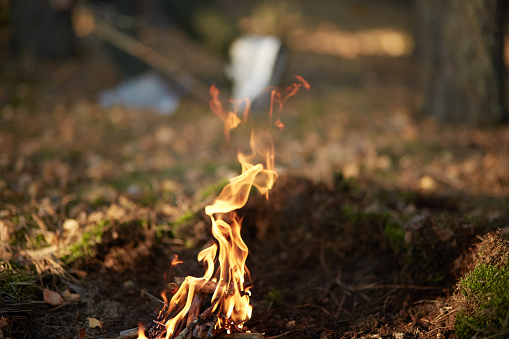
x=230 y=301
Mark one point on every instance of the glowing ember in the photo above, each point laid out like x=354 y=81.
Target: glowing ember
x=220 y=299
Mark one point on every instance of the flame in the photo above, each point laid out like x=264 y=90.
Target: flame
x=141 y=333
x=230 y=300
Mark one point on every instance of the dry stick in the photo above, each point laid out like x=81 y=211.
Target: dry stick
x=279 y=335
x=151 y=57
x=194 y=308
x=153 y=297
x=204 y=315
x=375 y=287
x=133 y=332
x=211 y=328
x=208 y=288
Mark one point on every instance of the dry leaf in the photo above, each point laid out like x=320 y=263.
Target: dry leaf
x=115 y=212
x=82 y=334
x=52 y=298
x=70 y=225
x=5 y=231
x=93 y=322
x=71 y=296
x=77 y=272
x=427 y=183
x=3 y=322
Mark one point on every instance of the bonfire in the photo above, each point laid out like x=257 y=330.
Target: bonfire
x=218 y=302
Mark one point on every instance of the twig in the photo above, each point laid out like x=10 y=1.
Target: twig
x=133 y=332
x=50 y=326
x=208 y=288
x=317 y=306
x=204 y=315
x=279 y=335
x=153 y=297
x=195 y=306
x=376 y=287
x=211 y=328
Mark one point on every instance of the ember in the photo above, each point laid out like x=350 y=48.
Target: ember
x=218 y=302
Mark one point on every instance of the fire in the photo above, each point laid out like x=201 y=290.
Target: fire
x=223 y=291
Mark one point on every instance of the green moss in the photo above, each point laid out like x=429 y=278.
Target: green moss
x=212 y=190
x=483 y=295
x=349 y=212
x=86 y=245
x=176 y=228
x=394 y=234
x=16 y=283
x=28 y=235
x=274 y=297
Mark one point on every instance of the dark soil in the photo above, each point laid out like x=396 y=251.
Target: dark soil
x=330 y=272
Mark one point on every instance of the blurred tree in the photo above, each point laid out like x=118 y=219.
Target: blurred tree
x=460 y=47
x=42 y=28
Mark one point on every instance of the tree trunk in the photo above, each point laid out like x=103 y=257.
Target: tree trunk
x=460 y=48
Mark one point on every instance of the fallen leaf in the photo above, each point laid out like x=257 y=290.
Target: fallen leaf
x=71 y=296
x=70 y=225
x=77 y=272
x=3 y=322
x=52 y=298
x=82 y=334
x=93 y=322
x=427 y=183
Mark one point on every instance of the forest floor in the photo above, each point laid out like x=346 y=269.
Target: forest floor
x=366 y=233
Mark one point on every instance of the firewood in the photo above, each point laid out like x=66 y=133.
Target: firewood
x=201 y=318
x=130 y=333
x=194 y=309
x=133 y=332
x=208 y=288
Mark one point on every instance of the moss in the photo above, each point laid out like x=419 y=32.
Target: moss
x=349 y=212
x=212 y=190
x=177 y=225
x=28 y=235
x=483 y=294
x=86 y=245
x=274 y=297
x=16 y=283
x=175 y=229
x=394 y=234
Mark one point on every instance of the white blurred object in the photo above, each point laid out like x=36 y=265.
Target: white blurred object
x=256 y=62
x=148 y=90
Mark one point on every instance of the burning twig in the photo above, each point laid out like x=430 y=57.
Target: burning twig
x=153 y=297
x=201 y=318
x=133 y=332
x=208 y=288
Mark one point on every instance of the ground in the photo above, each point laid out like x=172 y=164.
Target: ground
x=366 y=233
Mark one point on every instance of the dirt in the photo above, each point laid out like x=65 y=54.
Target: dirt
x=337 y=274
x=365 y=234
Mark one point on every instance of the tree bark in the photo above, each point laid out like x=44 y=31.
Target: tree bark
x=460 y=49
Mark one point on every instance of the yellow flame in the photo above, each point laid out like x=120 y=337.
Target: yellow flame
x=230 y=300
